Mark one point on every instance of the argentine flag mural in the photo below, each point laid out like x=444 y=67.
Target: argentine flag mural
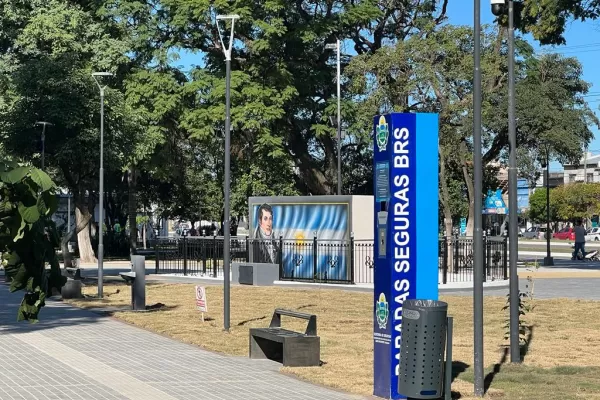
x=297 y=224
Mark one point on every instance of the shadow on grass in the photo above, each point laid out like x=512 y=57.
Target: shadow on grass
x=266 y=316
x=458 y=367
x=306 y=306
x=252 y=320
x=162 y=307
x=524 y=349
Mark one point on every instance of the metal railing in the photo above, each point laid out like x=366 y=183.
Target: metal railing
x=196 y=255
x=456 y=259
x=318 y=260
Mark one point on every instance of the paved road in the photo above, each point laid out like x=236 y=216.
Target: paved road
x=572 y=288
x=76 y=354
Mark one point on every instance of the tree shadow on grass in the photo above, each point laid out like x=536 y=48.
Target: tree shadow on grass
x=266 y=316
x=527 y=343
x=458 y=367
x=524 y=349
x=251 y=320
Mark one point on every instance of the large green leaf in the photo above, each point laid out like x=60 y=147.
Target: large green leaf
x=41 y=206
x=16 y=175
x=51 y=202
x=21 y=231
x=19 y=278
x=41 y=179
x=29 y=214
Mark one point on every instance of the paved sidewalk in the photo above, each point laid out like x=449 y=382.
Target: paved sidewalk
x=569 y=288
x=76 y=354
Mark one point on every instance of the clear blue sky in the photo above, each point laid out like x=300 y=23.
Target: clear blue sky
x=583 y=42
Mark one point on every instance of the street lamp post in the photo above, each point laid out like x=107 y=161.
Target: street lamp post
x=500 y=7
x=515 y=348
x=44 y=124
x=97 y=77
x=548 y=260
x=478 y=234
x=226 y=231
x=336 y=46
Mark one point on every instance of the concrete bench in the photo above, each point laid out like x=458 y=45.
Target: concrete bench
x=292 y=349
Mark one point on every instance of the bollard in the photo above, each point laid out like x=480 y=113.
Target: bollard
x=137 y=280
x=138 y=287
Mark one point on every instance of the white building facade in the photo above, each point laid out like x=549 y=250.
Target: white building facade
x=588 y=170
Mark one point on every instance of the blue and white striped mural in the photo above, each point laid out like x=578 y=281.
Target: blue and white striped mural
x=297 y=224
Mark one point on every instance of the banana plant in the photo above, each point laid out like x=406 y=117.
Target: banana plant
x=28 y=236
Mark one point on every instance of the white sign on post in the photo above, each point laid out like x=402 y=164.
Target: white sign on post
x=201 y=300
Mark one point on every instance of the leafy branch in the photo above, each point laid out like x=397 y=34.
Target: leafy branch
x=28 y=236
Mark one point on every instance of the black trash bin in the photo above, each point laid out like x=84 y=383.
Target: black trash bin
x=424 y=324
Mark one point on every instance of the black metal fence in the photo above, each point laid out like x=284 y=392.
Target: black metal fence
x=317 y=260
x=196 y=255
x=456 y=259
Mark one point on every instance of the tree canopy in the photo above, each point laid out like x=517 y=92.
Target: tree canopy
x=164 y=123
x=567 y=202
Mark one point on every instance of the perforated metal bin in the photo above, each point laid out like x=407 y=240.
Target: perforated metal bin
x=424 y=324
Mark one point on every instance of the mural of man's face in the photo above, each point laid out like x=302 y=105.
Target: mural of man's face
x=266 y=222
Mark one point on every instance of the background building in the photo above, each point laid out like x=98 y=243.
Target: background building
x=588 y=170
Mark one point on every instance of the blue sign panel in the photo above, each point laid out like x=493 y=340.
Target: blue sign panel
x=522 y=194
x=406 y=249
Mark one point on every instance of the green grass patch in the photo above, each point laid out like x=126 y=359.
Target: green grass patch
x=515 y=381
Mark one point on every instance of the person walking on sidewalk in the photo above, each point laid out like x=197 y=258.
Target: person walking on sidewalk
x=579 y=231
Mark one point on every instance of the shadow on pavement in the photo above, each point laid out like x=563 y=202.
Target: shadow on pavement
x=54 y=314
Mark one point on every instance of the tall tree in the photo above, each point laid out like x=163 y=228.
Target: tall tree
x=576 y=201
x=283 y=81
x=47 y=67
x=547 y=20
x=434 y=70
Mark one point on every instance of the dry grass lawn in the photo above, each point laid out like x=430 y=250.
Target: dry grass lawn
x=565 y=336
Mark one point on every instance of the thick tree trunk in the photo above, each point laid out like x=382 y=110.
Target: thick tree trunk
x=81 y=224
x=470 y=189
x=82 y=218
x=132 y=210
x=445 y=199
x=144 y=234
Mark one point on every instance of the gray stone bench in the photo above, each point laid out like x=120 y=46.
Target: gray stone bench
x=293 y=349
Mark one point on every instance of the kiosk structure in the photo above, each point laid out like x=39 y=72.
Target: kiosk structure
x=406 y=232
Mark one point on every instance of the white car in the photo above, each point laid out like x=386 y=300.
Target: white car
x=592 y=235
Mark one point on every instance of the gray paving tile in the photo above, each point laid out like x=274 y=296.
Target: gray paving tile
x=95 y=357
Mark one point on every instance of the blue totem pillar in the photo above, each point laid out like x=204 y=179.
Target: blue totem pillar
x=406 y=230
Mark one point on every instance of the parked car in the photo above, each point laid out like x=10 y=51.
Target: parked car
x=592 y=235
x=564 y=234
x=535 y=232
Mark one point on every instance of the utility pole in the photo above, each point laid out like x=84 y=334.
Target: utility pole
x=226 y=187
x=336 y=46
x=477 y=234
x=513 y=228
x=44 y=124
x=97 y=76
